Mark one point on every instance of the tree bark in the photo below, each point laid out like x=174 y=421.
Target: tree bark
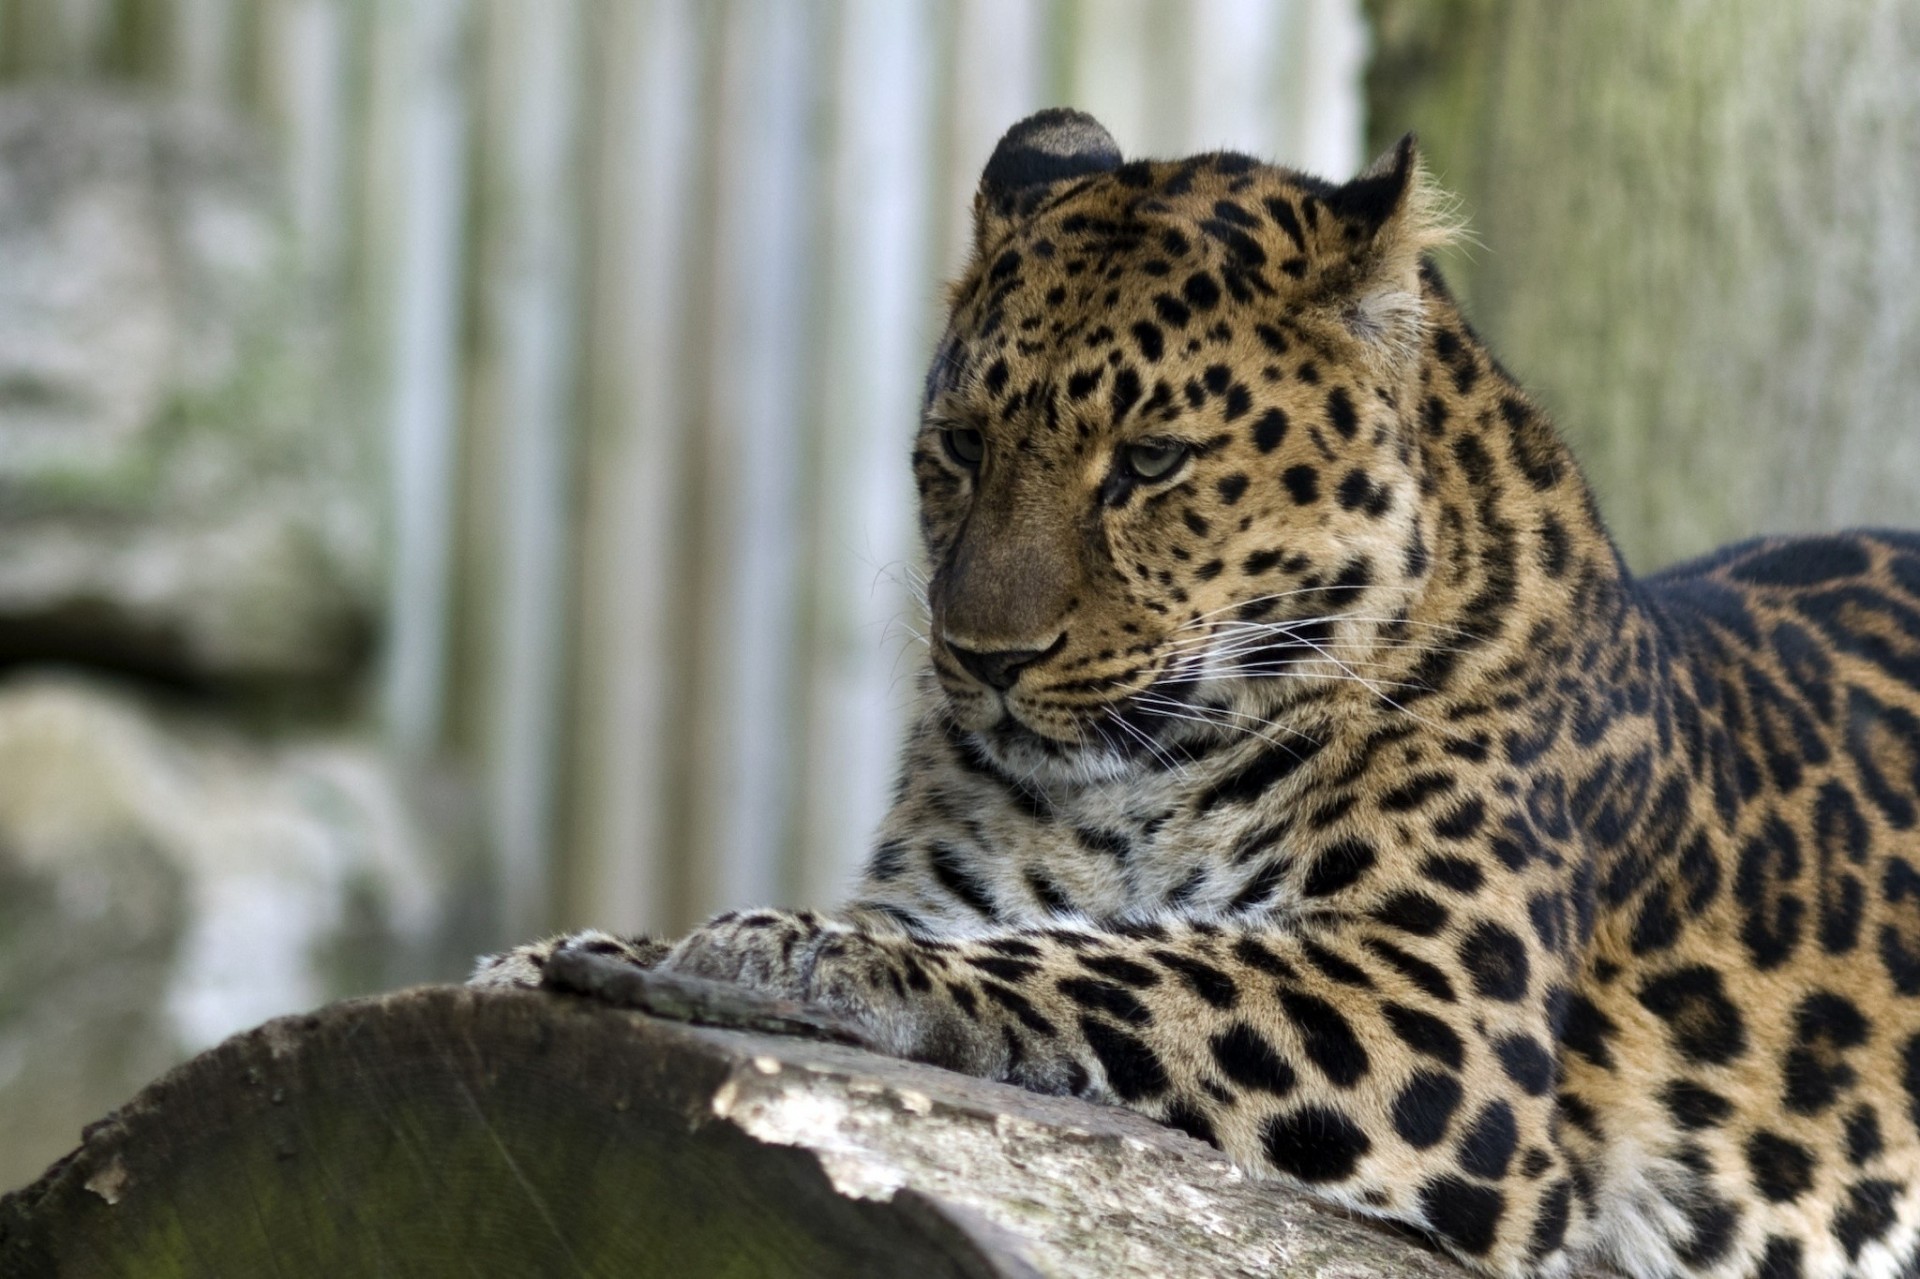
x=439 y=1131
x=1698 y=242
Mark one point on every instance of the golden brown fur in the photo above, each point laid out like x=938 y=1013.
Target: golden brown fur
x=1303 y=767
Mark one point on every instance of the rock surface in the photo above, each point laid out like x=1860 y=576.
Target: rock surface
x=446 y=1131
x=174 y=498
x=166 y=881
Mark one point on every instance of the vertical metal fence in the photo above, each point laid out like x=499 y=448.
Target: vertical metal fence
x=638 y=291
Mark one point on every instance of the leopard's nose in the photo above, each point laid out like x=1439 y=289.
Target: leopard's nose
x=997 y=670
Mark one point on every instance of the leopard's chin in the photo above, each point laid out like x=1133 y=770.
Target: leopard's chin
x=1098 y=750
x=1048 y=763
x=1011 y=735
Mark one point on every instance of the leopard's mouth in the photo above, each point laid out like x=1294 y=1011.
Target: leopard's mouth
x=1153 y=704
x=1162 y=711
x=1180 y=706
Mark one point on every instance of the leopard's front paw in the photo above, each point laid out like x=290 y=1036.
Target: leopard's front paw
x=797 y=955
x=879 y=987
x=524 y=967
x=771 y=951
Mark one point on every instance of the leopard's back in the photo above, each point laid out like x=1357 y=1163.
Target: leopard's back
x=1747 y=1046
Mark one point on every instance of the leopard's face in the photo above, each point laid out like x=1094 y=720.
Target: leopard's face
x=1160 y=463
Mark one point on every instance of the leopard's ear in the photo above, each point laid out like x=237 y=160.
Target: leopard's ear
x=1379 y=193
x=1392 y=215
x=1046 y=148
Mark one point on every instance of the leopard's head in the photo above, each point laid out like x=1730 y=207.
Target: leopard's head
x=1164 y=457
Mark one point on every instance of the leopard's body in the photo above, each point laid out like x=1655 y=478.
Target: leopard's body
x=1337 y=795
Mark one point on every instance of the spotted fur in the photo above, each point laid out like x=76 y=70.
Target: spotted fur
x=1337 y=795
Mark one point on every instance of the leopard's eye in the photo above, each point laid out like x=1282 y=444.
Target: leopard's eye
x=964 y=445
x=1154 y=459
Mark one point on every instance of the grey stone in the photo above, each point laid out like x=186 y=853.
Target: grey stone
x=176 y=496
x=166 y=881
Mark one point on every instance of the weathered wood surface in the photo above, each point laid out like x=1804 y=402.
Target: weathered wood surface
x=440 y=1131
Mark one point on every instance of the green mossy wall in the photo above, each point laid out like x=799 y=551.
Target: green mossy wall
x=1697 y=242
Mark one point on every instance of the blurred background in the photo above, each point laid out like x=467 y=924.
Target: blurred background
x=453 y=474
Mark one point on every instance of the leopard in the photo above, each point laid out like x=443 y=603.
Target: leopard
x=1303 y=768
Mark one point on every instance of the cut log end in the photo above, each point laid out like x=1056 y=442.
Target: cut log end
x=444 y=1131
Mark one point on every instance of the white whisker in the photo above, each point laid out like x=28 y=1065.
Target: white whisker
x=1198 y=618
x=1157 y=751
x=1167 y=708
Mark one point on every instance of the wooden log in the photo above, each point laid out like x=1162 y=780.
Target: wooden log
x=440 y=1131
